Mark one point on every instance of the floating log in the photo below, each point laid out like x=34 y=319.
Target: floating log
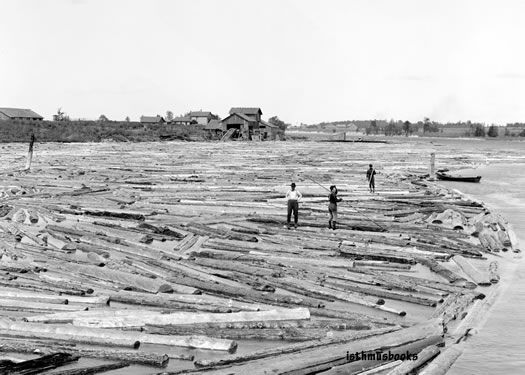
x=190 y=318
x=326 y=357
x=109 y=337
x=407 y=367
x=292 y=348
x=446 y=273
x=132 y=356
x=442 y=363
x=39 y=365
x=479 y=277
x=93 y=369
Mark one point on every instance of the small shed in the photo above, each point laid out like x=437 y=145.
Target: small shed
x=268 y=131
x=19 y=114
x=181 y=120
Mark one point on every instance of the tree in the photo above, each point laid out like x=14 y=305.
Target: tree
x=407 y=128
x=277 y=121
x=373 y=127
x=426 y=125
x=493 y=131
x=60 y=116
x=103 y=118
x=169 y=115
x=127 y=119
x=479 y=131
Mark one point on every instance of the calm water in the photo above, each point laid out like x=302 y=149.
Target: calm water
x=499 y=348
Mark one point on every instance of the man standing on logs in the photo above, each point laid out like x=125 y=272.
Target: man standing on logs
x=370 y=173
x=30 y=152
x=332 y=207
x=293 y=197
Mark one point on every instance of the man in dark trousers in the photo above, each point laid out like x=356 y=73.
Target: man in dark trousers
x=332 y=207
x=370 y=173
x=293 y=197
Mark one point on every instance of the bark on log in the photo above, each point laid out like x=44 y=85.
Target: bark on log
x=292 y=348
x=423 y=357
x=178 y=318
x=111 y=337
x=476 y=275
x=93 y=369
x=446 y=273
x=443 y=361
x=132 y=356
x=39 y=365
x=324 y=358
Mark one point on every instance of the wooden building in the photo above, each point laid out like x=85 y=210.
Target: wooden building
x=253 y=113
x=19 y=114
x=201 y=117
x=152 y=119
x=246 y=127
x=182 y=120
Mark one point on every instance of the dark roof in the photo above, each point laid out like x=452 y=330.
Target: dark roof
x=241 y=115
x=246 y=110
x=151 y=119
x=214 y=124
x=181 y=119
x=20 y=113
x=199 y=114
x=264 y=123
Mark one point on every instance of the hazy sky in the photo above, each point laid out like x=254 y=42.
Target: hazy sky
x=304 y=60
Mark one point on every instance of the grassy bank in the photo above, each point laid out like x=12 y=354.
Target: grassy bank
x=94 y=131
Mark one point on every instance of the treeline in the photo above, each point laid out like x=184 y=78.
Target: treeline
x=425 y=127
x=96 y=131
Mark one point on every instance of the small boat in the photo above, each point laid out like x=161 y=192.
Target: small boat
x=442 y=175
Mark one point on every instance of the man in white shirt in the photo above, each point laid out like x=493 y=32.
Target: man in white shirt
x=293 y=197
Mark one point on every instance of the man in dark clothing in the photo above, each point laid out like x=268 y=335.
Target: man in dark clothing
x=332 y=207
x=293 y=197
x=370 y=173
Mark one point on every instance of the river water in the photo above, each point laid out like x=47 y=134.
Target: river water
x=499 y=347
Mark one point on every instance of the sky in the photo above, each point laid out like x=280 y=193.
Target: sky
x=305 y=61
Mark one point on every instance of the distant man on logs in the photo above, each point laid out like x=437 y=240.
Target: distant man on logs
x=293 y=197
x=370 y=173
x=332 y=207
x=30 y=153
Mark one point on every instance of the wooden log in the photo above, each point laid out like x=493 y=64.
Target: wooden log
x=93 y=369
x=475 y=315
x=40 y=364
x=390 y=294
x=132 y=356
x=62 y=337
x=479 y=277
x=170 y=300
x=493 y=272
x=407 y=367
x=246 y=293
x=362 y=253
x=109 y=337
x=325 y=357
x=292 y=348
x=17 y=304
x=285 y=333
x=178 y=318
x=125 y=279
x=446 y=273
x=442 y=363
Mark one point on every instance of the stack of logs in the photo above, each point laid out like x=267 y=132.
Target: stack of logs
x=96 y=263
